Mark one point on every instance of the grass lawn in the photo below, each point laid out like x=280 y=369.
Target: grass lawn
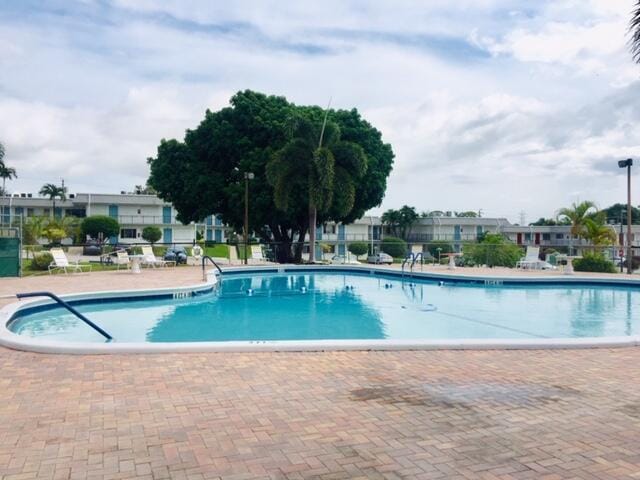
x=95 y=267
x=220 y=251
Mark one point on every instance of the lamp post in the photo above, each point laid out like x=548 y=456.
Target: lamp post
x=627 y=164
x=247 y=176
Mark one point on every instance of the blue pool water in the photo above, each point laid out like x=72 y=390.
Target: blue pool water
x=323 y=306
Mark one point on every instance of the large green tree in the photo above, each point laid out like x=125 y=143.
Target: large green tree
x=618 y=212
x=400 y=222
x=316 y=162
x=204 y=174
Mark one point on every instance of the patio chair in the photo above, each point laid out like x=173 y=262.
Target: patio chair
x=256 y=254
x=61 y=262
x=122 y=258
x=150 y=259
x=531 y=259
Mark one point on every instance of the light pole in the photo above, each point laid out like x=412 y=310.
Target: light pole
x=247 y=176
x=627 y=164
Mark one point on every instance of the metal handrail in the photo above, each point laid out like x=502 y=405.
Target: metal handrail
x=406 y=259
x=415 y=259
x=207 y=257
x=68 y=307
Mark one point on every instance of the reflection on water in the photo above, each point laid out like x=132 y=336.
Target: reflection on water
x=276 y=310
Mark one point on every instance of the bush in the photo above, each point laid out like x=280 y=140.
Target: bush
x=358 y=248
x=151 y=234
x=41 y=261
x=100 y=224
x=396 y=247
x=593 y=262
x=493 y=251
x=444 y=247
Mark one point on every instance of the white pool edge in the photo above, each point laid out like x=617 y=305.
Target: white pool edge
x=14 y=341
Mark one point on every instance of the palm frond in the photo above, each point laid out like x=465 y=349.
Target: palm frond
x=634 y=28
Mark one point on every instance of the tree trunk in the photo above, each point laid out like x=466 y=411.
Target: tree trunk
x=297 y=256
x=312 y=233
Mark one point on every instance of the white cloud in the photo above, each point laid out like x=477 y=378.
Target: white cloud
x=501 y=105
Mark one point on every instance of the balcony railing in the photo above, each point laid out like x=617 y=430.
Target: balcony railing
x=146 y=220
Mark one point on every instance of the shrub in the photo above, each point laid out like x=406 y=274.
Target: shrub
x=444 y=247
x=100 y=224
x=358 y=248
x=396 y=247
x=41 y=261
x=593 y=262
x=493 y=251
x=151 y=234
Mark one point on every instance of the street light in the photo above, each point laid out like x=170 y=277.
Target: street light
x=247 y=176
x=627 y=164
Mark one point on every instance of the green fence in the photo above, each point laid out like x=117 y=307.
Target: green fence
x=9 y=257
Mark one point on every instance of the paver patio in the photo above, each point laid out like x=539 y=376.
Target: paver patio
x=428 y=414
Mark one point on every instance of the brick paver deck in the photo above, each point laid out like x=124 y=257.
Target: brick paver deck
x=423 y=415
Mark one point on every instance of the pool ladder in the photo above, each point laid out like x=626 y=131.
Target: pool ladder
x=413 y=258
x=204 y=259
x=64 y=304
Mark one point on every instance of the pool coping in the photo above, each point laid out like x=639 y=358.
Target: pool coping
x=17 y=342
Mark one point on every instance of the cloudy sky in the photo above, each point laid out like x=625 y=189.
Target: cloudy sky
x=499 y=105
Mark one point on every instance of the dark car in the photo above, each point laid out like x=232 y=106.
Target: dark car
x=176 y=254
x=92 y=247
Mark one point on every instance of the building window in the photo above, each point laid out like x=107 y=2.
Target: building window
x=560 y=236
x=29 y=212
x=128 y=233
x=527 y=237
x=19 y=211
x=139 y=211
x=546 y=236
x=76 y=212
x=330 y=228
x=46 y=212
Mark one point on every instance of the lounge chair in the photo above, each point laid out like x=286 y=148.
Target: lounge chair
x=531 y=259
x=150 y=259
x=256 y=253
x=122 y=258
x=61 y=262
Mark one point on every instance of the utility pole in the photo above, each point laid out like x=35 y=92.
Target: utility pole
x=247 y=176
x=627 y=164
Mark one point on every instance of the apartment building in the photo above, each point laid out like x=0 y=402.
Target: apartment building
x=133 y=212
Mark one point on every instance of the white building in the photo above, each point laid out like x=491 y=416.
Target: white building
x=133 y=212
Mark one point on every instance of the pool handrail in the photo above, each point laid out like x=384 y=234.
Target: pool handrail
x=409 y=257
x=415 y=259
x=207 y=257
x=64 y=304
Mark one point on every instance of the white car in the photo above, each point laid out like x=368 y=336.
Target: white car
x=380 y=258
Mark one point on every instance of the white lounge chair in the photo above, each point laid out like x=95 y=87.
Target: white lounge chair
x=256 y=253
x=61 y=262
x=122 y=258
x=151 y=260
x=531 y=259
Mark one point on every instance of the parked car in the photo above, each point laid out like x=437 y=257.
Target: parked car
x=92 y=247
x=380 y=258
x=176 y=254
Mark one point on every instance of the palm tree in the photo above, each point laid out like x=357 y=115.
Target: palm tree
x=597 y=233
x=634 y=27
x=317 y=162
x=1 y=154
x=53 y=191
x=577 y=215
x=6 y=173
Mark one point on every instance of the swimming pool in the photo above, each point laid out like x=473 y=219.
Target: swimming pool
x=346 y=307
